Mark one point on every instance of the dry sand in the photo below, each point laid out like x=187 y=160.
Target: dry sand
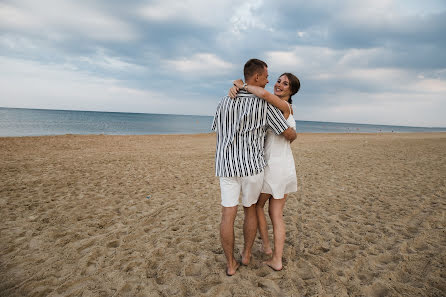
x=368 y=219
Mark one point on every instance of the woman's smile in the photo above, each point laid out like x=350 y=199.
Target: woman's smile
x=282 y=87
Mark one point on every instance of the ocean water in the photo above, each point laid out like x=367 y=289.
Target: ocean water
x=36 y=122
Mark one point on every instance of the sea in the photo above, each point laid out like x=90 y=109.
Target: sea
x=39 y=122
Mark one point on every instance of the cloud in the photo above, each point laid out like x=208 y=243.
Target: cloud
x=13 y=17
x=200 y=64
x=200 y=12
x=385 y=108
x=33 y=85
x=304 y=57
x=433 y=86
x=358 y=67
x=248 y=16
x=64 y=17
x=17 y=43
x=109 y=63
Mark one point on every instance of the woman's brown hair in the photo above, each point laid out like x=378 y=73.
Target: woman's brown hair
x=294 y=85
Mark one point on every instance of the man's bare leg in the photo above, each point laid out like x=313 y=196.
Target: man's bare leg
x=263 y=226
x=249 y=232
x=228 y=215
x=276 y=215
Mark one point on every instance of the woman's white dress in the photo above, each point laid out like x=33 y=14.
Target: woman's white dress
x=280 y=172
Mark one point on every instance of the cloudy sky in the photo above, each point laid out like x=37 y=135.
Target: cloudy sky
x=370 y=61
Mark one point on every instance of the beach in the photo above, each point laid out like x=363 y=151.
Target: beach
x=102 y=215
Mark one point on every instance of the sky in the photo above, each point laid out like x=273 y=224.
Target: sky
x=372 y=62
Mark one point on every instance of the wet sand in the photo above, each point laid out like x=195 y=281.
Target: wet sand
x=139 y=216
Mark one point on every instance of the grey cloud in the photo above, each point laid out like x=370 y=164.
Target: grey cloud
x=410 y=41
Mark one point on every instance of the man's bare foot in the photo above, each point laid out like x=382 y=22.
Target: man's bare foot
x=246 y=258
x=230 y=271
x=267 y=250
x=275 y=265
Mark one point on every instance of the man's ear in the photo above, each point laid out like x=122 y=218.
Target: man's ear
x=257 y=77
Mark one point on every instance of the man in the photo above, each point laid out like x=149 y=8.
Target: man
x=241 y=125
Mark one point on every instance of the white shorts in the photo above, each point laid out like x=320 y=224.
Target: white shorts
x=250 y=186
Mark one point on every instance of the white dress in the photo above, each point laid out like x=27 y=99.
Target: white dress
x=280 y=172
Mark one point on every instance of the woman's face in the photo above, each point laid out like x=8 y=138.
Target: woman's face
x=282 y=87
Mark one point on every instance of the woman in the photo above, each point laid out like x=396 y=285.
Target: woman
x=280 y=173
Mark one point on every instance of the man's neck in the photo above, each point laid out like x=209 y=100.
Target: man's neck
x=252 y=83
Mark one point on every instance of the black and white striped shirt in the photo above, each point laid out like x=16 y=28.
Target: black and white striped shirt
x=241 y=125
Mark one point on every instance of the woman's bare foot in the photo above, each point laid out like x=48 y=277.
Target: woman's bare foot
x=274 y=264
x=267 y=250
x=230 y=271
x=246 y=258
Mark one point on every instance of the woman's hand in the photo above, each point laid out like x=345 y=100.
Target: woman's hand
x=233 y=92
x=238 y=83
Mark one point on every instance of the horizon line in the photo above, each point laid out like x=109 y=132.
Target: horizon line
x=132 y=112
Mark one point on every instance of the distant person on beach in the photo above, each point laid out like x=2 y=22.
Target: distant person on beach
x=241 y=126
x=280 y=172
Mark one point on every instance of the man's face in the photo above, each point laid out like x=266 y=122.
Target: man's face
x=263 y=78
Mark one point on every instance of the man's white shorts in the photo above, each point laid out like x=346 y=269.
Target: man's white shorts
x=249 y=186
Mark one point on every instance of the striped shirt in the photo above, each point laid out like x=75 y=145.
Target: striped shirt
x=241 y=125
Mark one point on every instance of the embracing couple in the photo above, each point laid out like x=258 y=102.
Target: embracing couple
x=253 y=157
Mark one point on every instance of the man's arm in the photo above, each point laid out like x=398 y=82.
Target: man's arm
x=278 y=124
x=216 y=118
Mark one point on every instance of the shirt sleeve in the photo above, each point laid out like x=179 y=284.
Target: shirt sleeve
x=276 y=120
x=216 y=118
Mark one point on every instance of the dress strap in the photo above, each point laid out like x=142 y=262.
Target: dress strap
x=289 y=107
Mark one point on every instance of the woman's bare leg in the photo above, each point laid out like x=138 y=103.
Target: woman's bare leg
x=263 y=226
x=276 y=215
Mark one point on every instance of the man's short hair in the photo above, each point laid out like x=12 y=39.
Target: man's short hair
x=252 y=67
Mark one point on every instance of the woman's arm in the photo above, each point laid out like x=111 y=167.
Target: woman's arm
x=264 y=94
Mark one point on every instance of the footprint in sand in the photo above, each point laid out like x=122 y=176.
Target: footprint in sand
x=386 y=259
x=376 y=290
x=269 y=285
x=264 y=271
x=113 y=244
x=90 y=269
x=211 y=286
x=193 y=269
x=366 y=277
x=305 y=271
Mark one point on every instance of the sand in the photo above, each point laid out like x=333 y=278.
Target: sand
x=139 y=216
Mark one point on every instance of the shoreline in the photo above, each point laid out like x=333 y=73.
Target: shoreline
x=212 y=133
